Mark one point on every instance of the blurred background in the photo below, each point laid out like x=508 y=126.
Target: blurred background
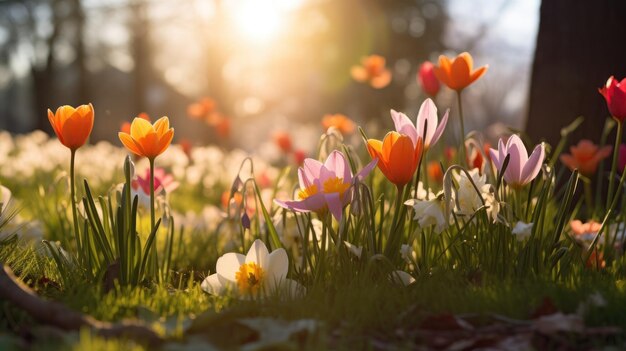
x=259 y=66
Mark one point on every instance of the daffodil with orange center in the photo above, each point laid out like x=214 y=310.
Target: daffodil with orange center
x=398 y=156
x=146 y=139
x=458 y=73
x=72 y=125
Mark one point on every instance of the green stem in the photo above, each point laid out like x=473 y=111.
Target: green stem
x=74 y=210
x=618 y=141
x=462 y=150
x=152 y=216
x=588 y=196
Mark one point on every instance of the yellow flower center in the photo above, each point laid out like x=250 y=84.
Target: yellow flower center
x=308 y=191
x=335 y=185
x=249 y=278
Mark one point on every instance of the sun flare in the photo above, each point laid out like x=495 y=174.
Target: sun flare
x=260 y=21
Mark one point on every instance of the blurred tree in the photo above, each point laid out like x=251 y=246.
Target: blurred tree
x=579 y=45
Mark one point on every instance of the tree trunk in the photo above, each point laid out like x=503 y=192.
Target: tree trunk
x=579 y=45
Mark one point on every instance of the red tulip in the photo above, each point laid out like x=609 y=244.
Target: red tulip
x=427 y=79
x=614 y=93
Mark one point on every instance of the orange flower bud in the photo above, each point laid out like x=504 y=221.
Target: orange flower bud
x=72 y=125
x=146 y=139
x=397 y=156
x=459 y=73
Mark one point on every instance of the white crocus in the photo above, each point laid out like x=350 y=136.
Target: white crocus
x=522 y=230
x=257 y=274
x=431 y=212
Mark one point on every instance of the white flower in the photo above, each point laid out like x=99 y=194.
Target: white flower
x=257 y=274
x=468 y=199
x=406 y=251
x=402 y=277
x=492 y=204
x=431 y=212
x=522 y=230
x=422 y=194
x=353 y=249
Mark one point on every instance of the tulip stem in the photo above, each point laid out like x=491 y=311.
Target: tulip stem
x=74 y=210
x=462 y=159
x=618 y=141
x=588 y=196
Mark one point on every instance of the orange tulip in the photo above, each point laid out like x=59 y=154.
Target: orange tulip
x=72 y=125
x=146 y=139
x=126 y=125
x=372 y=70
x=585 y=157
x=397 y=156
x=342 y=123
x=459 y=73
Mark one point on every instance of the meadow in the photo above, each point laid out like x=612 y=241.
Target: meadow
x=397 y=240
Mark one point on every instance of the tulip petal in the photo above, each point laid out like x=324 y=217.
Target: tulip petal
x=165 y=141
x=532 y=167
x=76 y=130
x=162 y=125
x=442 y=72
x=382 y=80
x=401 y=159
x=140 y=128
x=258 y=254
x=460 y=72
x=569 y=161
x=403 y=125
x=358 y=73
x=374 y=148
x=439 y=130
x=228 y=265
x=426 y=117
x=129 y=143
x=478 y=73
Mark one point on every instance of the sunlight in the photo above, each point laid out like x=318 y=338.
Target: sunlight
x=260 y=21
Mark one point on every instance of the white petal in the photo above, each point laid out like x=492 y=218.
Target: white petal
x=402 y=277
x=278 y=266
x=258 y=254
x=229 y=264
x=212 y=285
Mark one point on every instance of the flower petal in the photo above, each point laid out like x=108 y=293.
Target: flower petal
x=532 y=167
x=140 y=128
x=427 y=117
x=403 y=125
x=229 y=264
x=333 y=200
x=338 y=165
x=278 y=266
x=213 y=285
x=258 y=254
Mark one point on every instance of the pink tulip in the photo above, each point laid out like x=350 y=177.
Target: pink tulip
x=325 y=186
x=162 y=181
x=427 y=79
x=521 y=169
x=427 y=113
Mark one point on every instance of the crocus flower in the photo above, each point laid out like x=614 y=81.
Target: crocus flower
x=325 y=185
x=426 y=117
x=257 y=274
x=146 y=139
x=614 y=93
x=372 y=70
x=398 y=156
x=340 y=122
x=459 y=73
x=427 y=79
x=72 y=125
x=521 y=169
x=585 y=157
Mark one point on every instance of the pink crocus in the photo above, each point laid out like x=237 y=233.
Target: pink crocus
x=162 y=181
x=521 y=169
x=325 y=185
x=426 y=117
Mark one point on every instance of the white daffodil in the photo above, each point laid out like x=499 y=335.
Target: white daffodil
x=257 y=274
x=431 y=212
x=522 y=230
x=468 y=199
x=492 y=204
